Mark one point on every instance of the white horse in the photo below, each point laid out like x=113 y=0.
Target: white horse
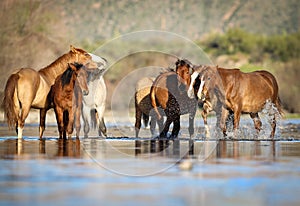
x=94 y=103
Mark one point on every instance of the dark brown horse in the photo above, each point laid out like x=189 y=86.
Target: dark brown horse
x=169 y=92
x=66 y=95
x=27 y=88
x=230 y=90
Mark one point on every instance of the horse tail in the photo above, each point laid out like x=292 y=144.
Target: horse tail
x=9 y=100
x=153 y=102
x=279 y=106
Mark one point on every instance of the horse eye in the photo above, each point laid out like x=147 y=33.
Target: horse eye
x=208 y=78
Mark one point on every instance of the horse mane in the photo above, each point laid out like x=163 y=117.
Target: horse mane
x=66 y=76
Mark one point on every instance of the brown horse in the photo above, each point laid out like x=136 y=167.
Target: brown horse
x=169 y=92
x=143 y=107
x=230 y=90
x=66 y=95
x=28 y=88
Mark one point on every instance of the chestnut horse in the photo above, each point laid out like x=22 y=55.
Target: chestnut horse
x=234 y=91
x=27 y=88
x=169 y=92
x=66 y=95
x=143 y=107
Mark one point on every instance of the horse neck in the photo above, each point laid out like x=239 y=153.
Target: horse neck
x=56 y=68
x=71 y=86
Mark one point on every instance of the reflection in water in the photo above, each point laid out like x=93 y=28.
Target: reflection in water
x=250 y=149
x=29 y=176
x=171 y=148
x=18 y=148
x=106 y=149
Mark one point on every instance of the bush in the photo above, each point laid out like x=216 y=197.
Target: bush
x=278 y=47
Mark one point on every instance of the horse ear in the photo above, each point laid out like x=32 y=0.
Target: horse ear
x=73 y=49
x=177 y=62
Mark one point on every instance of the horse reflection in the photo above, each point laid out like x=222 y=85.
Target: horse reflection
x=68 y=148
x=169 y=148
x=246 y=150
x=40 y=149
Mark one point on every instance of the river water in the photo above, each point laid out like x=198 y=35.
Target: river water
x=121 y=170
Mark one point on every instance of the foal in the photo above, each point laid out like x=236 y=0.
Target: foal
x=66 y=95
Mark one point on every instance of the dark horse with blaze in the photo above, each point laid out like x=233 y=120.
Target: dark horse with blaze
x=27 y=88
x=169 y=92
x=230 y=90
x=66 y=95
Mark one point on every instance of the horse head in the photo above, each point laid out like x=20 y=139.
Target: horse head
x=183 y=70
x=90 y=62
x=195 y=81
x=101 y=62
x=81 y=75
x=205 y=83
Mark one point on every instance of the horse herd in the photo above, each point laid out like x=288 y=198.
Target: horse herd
x=74 y=86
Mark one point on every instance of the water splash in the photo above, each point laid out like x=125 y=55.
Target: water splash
x=270 y=114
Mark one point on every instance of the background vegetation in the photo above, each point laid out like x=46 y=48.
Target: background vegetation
x=250 y=35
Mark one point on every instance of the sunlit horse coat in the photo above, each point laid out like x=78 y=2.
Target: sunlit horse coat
x=27 y=88
x=66 y=96
x=143 y=107
x=234 y=91
x=169 y=92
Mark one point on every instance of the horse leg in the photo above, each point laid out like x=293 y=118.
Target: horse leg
x=153 y=125
x=101 y=123
x=102 y=127
x=165 y=130
x=273 y=125
x=236 y=120
x=86 y=120
x=191 y=124
x=138 y=118
x=222 y=120
x=77 y=121
x=204 y=114
x=42 y=121
x=176 y=127
x=21 y=121
x=257 y=122
x=160 y=123
x=59 y=113
x=70 y=124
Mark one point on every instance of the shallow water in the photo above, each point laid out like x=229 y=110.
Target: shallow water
x=122 y=170
x=144 y=172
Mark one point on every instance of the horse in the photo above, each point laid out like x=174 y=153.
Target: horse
x=143 y=107
x=27 y=88
x=94 y=102
x=169 y=92
x=206 y=102
x=66 y=96
x=234 y=91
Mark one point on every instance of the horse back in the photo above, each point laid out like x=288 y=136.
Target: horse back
x=164 y=85
x=249 y=90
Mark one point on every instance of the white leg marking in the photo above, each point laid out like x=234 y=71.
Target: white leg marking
x=191 y=89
